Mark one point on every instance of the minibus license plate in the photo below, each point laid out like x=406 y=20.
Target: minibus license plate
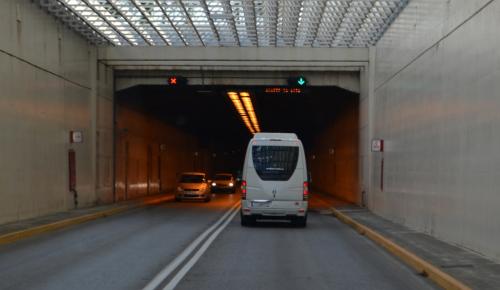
x=260 y=204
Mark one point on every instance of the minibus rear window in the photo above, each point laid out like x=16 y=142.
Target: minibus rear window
x=275 y=162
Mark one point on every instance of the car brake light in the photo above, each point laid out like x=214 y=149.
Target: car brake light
x=243 y=189
x=305 y=194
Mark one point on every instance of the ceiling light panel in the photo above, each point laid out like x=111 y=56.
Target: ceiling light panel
x=278 y=23
x=243 y=105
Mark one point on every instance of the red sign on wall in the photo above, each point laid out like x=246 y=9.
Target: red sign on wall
x=72 y=169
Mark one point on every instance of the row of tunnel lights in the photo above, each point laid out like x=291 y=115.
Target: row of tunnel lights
x=243 y=104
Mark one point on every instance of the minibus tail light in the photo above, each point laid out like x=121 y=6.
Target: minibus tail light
x=243 y=189
x=305 y=193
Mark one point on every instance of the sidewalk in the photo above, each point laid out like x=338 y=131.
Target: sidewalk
x=467 y=267
x=12 y=232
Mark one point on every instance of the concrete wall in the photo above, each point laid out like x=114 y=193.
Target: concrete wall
x=103 y=128
x=366 y=104
x=150 y=154
x=45 y=89
x=437 y=108
x=334 y=159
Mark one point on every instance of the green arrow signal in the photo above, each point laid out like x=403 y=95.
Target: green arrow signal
x=301 y=81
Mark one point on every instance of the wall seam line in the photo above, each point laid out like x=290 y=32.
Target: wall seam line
x=43 y=69
x=435 y=43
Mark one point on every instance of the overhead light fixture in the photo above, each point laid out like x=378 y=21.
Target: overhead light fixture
x=243 y=104
x=247 y=102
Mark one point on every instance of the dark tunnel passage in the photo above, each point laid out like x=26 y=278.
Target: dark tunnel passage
x=165 y=130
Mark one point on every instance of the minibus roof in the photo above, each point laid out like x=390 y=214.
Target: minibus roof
x=276 y=136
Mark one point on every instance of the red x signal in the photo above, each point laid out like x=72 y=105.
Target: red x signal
x=176 y=80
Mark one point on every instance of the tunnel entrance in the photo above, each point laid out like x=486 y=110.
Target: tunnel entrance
x=163 y=130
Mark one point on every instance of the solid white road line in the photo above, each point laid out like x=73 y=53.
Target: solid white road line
x=160 y=277
x=185 y=269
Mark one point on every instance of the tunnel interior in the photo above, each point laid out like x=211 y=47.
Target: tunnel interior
x=164 y=130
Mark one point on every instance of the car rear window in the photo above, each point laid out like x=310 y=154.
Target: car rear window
x=222 y=177
x=191 y=178
x=275 y=162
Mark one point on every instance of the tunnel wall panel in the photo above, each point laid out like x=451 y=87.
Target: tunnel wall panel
x=150 y=154
x=44 y=93
x=438 y=114
x=334 y=159
x=418 y=28
x=32 y=35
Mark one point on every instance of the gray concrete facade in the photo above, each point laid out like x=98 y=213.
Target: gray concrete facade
x=50 y=85
x=46 y=84
x=436 y=106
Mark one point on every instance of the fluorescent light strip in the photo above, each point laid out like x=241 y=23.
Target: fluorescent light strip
x=241 y=111
x=247 y=102
x=245 y=109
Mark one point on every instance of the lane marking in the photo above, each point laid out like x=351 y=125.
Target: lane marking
x=167 y=271
x=185 y=269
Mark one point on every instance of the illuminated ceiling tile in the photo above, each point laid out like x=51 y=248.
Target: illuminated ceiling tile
x=279 y=23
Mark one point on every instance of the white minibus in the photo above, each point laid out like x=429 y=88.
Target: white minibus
x=274 y=183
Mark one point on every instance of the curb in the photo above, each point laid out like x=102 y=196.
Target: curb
x=22 y=234
x=421 y=266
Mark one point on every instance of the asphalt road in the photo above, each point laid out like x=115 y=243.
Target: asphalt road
x=128 y=250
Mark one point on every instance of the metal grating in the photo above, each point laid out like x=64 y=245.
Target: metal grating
x=280 y=23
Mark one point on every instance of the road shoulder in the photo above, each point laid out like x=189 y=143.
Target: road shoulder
x=450 y=266
x=13 y=232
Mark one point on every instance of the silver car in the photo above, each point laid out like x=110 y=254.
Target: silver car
x=193 y=186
